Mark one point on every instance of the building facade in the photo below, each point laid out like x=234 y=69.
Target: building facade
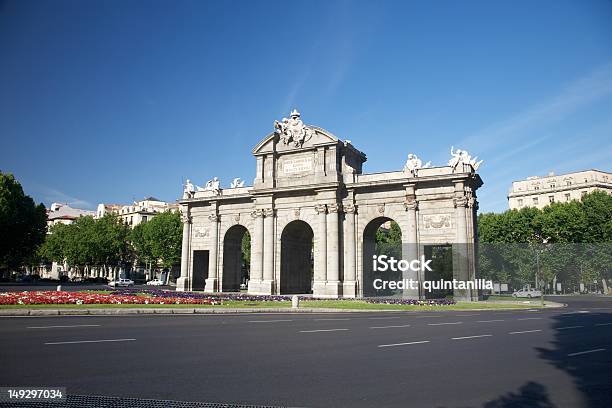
x=138 y=212
x=539 y=192
x=311 y=204
x=64 y=214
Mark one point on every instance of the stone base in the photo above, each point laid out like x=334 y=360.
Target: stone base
x=349 y=289
x=212 y=285
x=253 y=288
x=182 y=284
x=261 y=287
x=327 y=289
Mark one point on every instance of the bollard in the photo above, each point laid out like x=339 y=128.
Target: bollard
x=295 y=302
x=59 y=288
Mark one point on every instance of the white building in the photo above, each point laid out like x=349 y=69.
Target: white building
x=138 y=212
x=64 y=214
x=539 y=191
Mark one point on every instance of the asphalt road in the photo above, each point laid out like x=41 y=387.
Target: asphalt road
x=551 y=358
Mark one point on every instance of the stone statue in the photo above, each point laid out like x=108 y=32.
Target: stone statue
x=236 y=183
x=413 y=164
x=463 y=157
x=292 y=130
x=213 y=185
x=188 y=190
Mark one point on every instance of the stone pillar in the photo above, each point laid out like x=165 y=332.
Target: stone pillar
x=349 y=280
x=212 y=281
x=267 y=285
x=320 y=256
x=333 y=285
x=257 y=253
x=410 y=246
x=182 y=283
x=460 y=248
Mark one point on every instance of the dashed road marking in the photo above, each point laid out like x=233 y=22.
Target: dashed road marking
x=471 y=337
x=603 y=324
x=268 y=321
x=322 y=330
x=489 y=321
x=389 y=327
x=67 y=326
x=88 y=341
x=442 y=324
x=585 y=352
x=568 y=327
x=531 y=318
x=404 y=344
x=525 y=331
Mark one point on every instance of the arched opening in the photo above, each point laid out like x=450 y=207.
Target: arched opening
x=382 y=236
x=236 y=259
x=296 y=258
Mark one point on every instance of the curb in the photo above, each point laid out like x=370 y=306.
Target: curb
x=188 y=310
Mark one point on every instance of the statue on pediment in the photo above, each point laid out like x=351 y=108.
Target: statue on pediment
x=413 y=164
x=463 y=157
x=292 y=131
x=237 y=183
x=213 y=185
x=188 y=190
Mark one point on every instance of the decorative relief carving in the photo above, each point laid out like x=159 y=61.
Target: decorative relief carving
x=460 y=202
x=214 y=217
x=268 y=212
x=350 y=208
x=201 y=233
x=411 y=204
x=185 y=216
x=257 y=213
x=237 y=217
x=437 y=221
x=320 y=208
x=334 y=208
x=296 y=212
x=292 y=130
x=381 y=208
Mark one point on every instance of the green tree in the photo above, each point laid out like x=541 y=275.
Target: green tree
x=162 y=238
x=23 y=224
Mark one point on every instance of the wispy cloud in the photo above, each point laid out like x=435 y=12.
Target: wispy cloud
x=574 y=96
x=51 y=195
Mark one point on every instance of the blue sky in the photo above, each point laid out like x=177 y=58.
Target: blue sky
x=111 y=101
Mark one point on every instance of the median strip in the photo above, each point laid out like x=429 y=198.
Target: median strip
x=403 y=344
x=88 y=341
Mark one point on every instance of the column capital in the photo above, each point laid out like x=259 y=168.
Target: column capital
x=411 y=204
x=185 y=217
x=268 y=212
x=460 y=202
x=320 y=208
x=334 y=208
x=350 y=208
x=214 y=217
x=257 y=213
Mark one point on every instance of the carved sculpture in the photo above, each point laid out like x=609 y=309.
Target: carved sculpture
x=413 y=164
x=292 y=130
x=188 y=190
x=236 y=183
x=213 y=185
x=463 y=157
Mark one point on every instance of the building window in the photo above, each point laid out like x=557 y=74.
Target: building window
x=569 y=183
x=551 y=199
x=552 y=186
x=567 y=197
x=536 y=187
x=535 y=200
x=520 y=202
x=144 y=218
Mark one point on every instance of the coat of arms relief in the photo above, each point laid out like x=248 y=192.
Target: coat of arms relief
x=292 y=130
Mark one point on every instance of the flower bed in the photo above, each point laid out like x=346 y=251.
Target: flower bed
x=240 y=297
x=86 y=298
x=418 y=302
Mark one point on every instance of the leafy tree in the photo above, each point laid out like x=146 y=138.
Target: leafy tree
x=23 y=224
x=163 y=237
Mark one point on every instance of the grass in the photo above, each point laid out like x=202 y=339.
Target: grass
x=329 y=304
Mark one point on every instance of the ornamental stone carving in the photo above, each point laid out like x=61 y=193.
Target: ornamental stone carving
x=268 y=212
x=413 y=164
x=185 y=216
x=381 y=208
x=460 y=202
x=334 y=208
x=292 y=131
x=320 y=208
x=411 y=204
x=463 y=157
x=237 y=217
x=437 y=221
x=296 y=212
x=188 y=189
x=350 y=208
x=201 y=233
x=214 y=217
x=257 y=213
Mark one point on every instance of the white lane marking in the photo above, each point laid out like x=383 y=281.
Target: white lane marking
x=384 y=318
x=442 y=324
x=583 y=311
x=59 y=327
x=321 y=330
x=473 y=314
x=328 y=320
x=88 y=341
x=585 y=352
x=568 y=327
x=425 y=317
x=603 y=324
x=471 y=337
x=489 y=321
x=268 y=321
x=404 y=344
x=525 y=331
x=389 y=327
x=531 y=318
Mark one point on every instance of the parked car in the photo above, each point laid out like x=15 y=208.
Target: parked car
x=121 y=282
x=155 y=282
x=528 y=293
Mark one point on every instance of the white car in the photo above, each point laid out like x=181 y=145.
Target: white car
x=155 y=282
x=121 y=282
x=528 y=293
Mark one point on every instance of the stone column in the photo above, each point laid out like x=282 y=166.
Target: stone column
x=182 y=283
x=267 y=286
x=333 y=248
x=410 y=246
x=257 y=253
x=349 y=280
x=212 y=281
x=460 y=250
x=320 y=256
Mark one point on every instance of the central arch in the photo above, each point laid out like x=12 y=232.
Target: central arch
x=381 y=236
x=235 y=263
x=296 y=258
